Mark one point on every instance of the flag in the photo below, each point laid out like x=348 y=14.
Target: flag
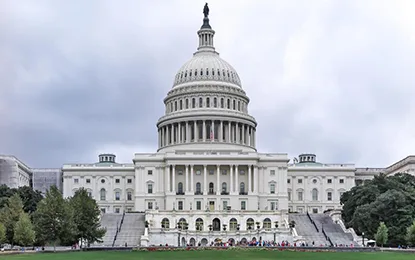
x=212 y=136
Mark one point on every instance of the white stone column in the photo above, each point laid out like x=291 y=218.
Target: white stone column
x=187 y=132
x=171 y=134
x=229 y=132
x=174 y=179
x=167 y=169
x=236 y=179
x=218 y=187
x=247 y=134
x=195 y=131
x=249 y=179
x=204 y=131
x=212 y=126
x=221 y=131
x=205 y=184
x=187 y=178
x=231 y=178
x=243 y=134
x=191 y=178
x=179 y=126
x=256 y=179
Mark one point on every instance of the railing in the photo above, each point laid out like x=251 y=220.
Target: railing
x=224 y=193
x=180 y=193
x=327 y=237
x=312 y=221
x=198 y=193
x=243 y=193
x=118 y=229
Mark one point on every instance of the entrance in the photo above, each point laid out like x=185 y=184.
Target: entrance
x=216 y=224
x=211 y=205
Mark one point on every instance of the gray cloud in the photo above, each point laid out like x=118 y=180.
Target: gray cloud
x=334 y=78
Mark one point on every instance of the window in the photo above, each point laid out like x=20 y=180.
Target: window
x=211 y=188
x=215 y=102
x=272 y=188
x=341 y=194
x=329 y=181
x=315 y=210
x=150 y=188
x=129 y=209
x=222 y=103
x=341 y=181
x=233 y=224
x=272 y=172
x=289 y=195
x=102 y=194
x=199 y=224
x=300 y=195
x=198 y=188
x=211 y=172
x=267 y=224
x=180 y=172
x=103 y=210
x=150 y=205
x=88 y=181
x=117 y=181
x=129 y=195
x=150 y=172
x=76 y=180
x=180 y=187
x=300 y=181
x=165 y=223
x=129 y=181
x=117 y=210
x=198 y=205
x=243 y=205
x=329 y=196
x=198 y=172
x=193 y=102
x=180 y=205
x=224 y=186
x=241 y=172
x=314 y=181
x=187 y=103
x=117 y=195
x=314 y=194
x=273 y=205
x=207 y=102
x=225 y=204
x=89 y=194
x=242 y=187
x=288 y=181
x=200 y=102
x=224 y=172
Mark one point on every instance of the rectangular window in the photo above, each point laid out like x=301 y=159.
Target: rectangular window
x=129 y=181
x=180 y=205
x=76 y=180
x=198 y=205
x=117 y=210
x=329 y=196
x=150 y=188
x=150 y=172
x=117 y=195
x=272 y=188
x=117 y=181
x=150 y=205
x=341 y=181
x=211 y=172
x=288 y=181
x=315 y=210
x=224 y=172
x=129 y=196
x=241 y=172
x=300 y=181
x=272 y=172
x=300 y=195
x=88 y=181
x=329 y=181
x=225 y=204
x=273 y=205
x=243 y=205
x=129 y=209
x=289 y=195
x=103 y=210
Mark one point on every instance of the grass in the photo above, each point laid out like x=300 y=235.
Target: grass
x=210 y=255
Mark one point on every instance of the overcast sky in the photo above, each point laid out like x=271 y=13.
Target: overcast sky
x=78 y=78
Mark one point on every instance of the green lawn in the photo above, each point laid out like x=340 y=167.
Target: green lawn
x=212 y=255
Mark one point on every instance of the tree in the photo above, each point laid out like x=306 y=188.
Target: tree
x=23 y=231
x=2 y=234
x=10 y=215
x=30 y=198
x=5 y=194
x=54 y=219
x=381 y=236
x=410 y=234
x=86 y=219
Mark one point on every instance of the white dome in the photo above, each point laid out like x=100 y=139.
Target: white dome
x=206 y=66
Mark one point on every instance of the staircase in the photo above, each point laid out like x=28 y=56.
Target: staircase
x=307 y=230
x=131 y=230
x=333 y=230
x=111 y=222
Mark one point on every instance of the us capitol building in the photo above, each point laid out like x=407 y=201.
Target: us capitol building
x=207 y=175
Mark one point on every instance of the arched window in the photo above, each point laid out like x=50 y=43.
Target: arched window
x=199 y=224
x=250 y=224
x=182 y=224
x=165 y=223
x=198 y=188
x=233 y=224
x=175 y=105
x=102 y=194
x=222 y=103
x=117 y=195
x=180 y=187
x=242 y=187
x=224 y=186
x=200 y=102
x=181 y=104
x=239 y=105
x=315 y=194
x=272 y=188
x=187 y=103
x=229 y=103
x=215 y=102
x=211 y=188
x=234 y=104
x=267 y=224
x=207 y=102
x=193 y=102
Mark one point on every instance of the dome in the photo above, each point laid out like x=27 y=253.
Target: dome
x=206 y=66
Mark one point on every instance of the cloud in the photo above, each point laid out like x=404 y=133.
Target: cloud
x=329 y=77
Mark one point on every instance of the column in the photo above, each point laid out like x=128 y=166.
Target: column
x=243 y=134
x=218 y=189
x=191 y=178
x=213 y=129
x=171 y=134
x=195 y=131
x=174 y=179
x=205 y=184
x=238 y=137
x=229 y=132
x=247 y=135
x=221 y=131
x=168 y=189
x=249 y=179
x=231 y=178
x=187 y=132
x=256 y=179
x=179 y=126
x=187 y=178
x=204 y=131
x=236 y=180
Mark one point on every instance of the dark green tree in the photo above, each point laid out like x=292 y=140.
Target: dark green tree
x=86 y=219
x=10 y=214
x=53 y=219
x=23 y=231
x=30 y=198
x=5 y=194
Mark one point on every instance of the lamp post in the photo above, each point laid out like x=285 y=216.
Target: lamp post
x=363 y=241
x=275 y=230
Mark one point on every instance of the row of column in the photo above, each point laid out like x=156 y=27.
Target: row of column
x=207 y=130
x=253 y=179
